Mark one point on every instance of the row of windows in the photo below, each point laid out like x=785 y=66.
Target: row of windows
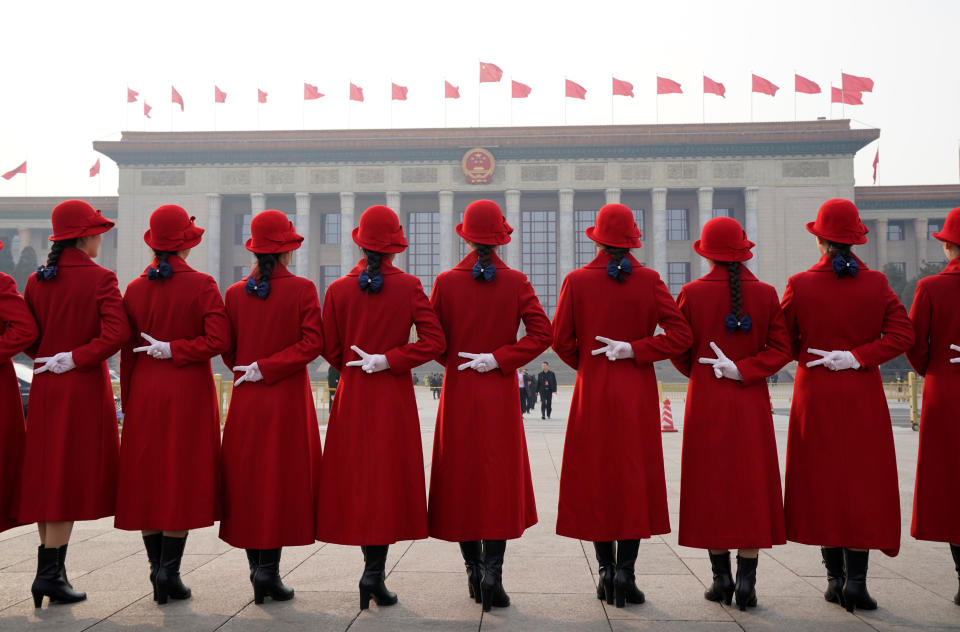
x=896 y=229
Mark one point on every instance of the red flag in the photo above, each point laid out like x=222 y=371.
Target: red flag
x=95 y=169
x=804 y=85
x=763 y=86
x=576 y=91
x=146 y=110
x=519 y=90
x=176 y=98
x=21 y=169
x=450 y=91
x=667 y=86
x=489 y=72
x=714 y=87
x=398 y=93
x=261 y=96
x=876 y=161
x=849 y=98
x=132 y=95
x=853 y=83
x=622 y=88
x=310 y=92
x=356 y=92
x=219 y=96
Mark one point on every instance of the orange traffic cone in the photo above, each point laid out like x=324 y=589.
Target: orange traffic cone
x=666 y=419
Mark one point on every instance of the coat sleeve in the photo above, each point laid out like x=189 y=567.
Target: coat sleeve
x=332 y=345
x=775 y=352
x=114 y=328
x=921 y=313
x=430 y=339
x=286 y=362
x=789 y=307
x=684 y=360
x=538 y=333
x=896 y=333
x=19 y=327
x=128 y=359
x=564 y=331
x=230 y=354
x=435 y=302
x=676 y=337
x=215 y=338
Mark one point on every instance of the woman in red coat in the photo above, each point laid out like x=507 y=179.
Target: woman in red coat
x=17 y=332
x=739 y=339
x=70 y=461
x=371 y=482
x=480 y=487
x=844 y=321
x=169 y=469
x=936 y=324
x=612 y=485
x=271 y=441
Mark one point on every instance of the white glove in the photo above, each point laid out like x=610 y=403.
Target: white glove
x=957 y=359
x=369 y=362
x=615 y=349
x=479 y=362
x=834 y=360
x=251 y=373
x=156 y=349
x=723 y=367
x=59 y=363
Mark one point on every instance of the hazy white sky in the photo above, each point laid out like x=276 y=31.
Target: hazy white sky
x=67 y=66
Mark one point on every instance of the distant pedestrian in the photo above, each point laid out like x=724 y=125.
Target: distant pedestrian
x=546 y=387
x=530 y=384
x=523 y=391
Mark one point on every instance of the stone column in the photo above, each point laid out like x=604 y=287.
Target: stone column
x=448 y=238
x=258 y=203
x=658 y=197
x=881 y=239
x=612 y=195
x=212 y=236
x=513 y=218
x=348 y=251
x=705 y=204
x=565 y=257
x=393 y=201
x=303 y=227
x=920 y=235
x=750 y=204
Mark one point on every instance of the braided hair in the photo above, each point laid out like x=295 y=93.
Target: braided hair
x=57 y=248
x=736 y=292
x=265 y=265
x=483 y=254
x=374 y=259
x=162 y=255
x=617 y=255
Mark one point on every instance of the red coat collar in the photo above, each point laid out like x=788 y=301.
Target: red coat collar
x=603 y=258
x=176 y=262
x=386 y=268
x=826 y=264
x=73 y=258
x=721 y=273
x=953 y=267
x=471 y=258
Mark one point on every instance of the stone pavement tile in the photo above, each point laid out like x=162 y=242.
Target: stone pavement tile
x=625 y=625
x=428 y=597
x=78 y=616
x=670 y=598
x=541 y=540
x=14 y=588
x=308 y=610
x=656 y=558
x=904 y=603
x=14 y=551
x=431 y=556
x=548 y=612
x=161 y=620
x=807 y=613
x=526 y=574
x=83 y=556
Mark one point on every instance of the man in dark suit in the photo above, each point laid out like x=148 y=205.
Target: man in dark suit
x=333 y=381
x=530 y=384
x=546 y=387
x=523 y=391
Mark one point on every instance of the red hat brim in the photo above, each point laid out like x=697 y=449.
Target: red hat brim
x=191 y=237
x=944 y=235
x=273 y=247
x=620 y=241
x=379 y=246
x=86 y=231
x=726 y=255
x=853 y=240
x=488 y=239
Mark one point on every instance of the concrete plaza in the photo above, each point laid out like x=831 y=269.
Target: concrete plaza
x=551 y=580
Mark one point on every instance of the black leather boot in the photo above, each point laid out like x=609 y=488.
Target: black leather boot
x=745 y=589
x=49 y=581
x=169 y=583
x=154 y=545
x=491 y=588
x=473 y=559
x=955 y=550
x=253 y=556
x=608 y=568
x=266 y=577
x=722 y=589
x=373 y=583
x=61 y=558
x=836 y=576
x=855 y=593
x=625 y=583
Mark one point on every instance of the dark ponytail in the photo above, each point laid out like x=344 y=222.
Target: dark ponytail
x=839 y=250
x=736 y=292
x=265 y=265
x=616 y=256
x=163 y=269
x=49 y=270
x=370 y=279
x=161 y=256
x=484 y=252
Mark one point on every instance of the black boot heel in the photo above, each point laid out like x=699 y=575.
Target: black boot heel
x=266 y=577
x=745 y=588
x=168 y=582
x=723 y=587
x=50 y=581
x=855 y=594
x=474 y=588
x=607 y=585
x=486 y=598
x=37 y=599
x=624 y=582
x=259 y=594
x=373 y=582
x=619 y=595
x=491 y=588
x=364 y=598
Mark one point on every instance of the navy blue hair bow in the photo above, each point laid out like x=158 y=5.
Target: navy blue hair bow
x=45 y=274
x=732 y=324
x=162 y=271
x=614 y=269
x=484 y=274
x=261 y=289
x=845 y=266
x=374 y=283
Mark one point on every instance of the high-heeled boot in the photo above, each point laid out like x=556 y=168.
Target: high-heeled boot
x=49 y=581
x=61 y=558
x=373 y=583
x=169 y=583
x=855 y=593
x=722 y=589
x=745 y=588
x=473 y=560
x=955 y=550
x=491 y=588
x=266 y=577
x=608 y=568
x=625 y=582
x=836 y=575
x=154 y=545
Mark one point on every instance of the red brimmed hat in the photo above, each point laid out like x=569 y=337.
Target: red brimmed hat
x=951 y=228
x=723 y=239
x=380 y=230
x=839 y=221
x=76 y=218
x=171 y=229
x=484 y=223
x=272 y=233
x=616 y=227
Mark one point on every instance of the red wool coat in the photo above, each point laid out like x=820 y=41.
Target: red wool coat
x=727 y=426
x=936 y=323
x=841 y=464
x=372 y=489
x=612 y=484
x=271 y=441
x=169 y=452
x=70 y=461
x=480 y=487
x=17 y=331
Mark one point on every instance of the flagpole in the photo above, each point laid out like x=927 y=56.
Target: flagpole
x=478 y=91
x=214 y=105
x=611 y=100
x=391 y=102
x=258 y=104
x=349 y=104
x=171 y=105
x=564 y=101
x=703 y=100
x=126 y=107
x=511 y=102
x=656 y=107
x=751 y=96
x=445 y=99
x=794 y=94
x=843 y=98
x=303 y=112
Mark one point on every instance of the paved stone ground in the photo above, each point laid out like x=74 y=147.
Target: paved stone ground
x=551 y=579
